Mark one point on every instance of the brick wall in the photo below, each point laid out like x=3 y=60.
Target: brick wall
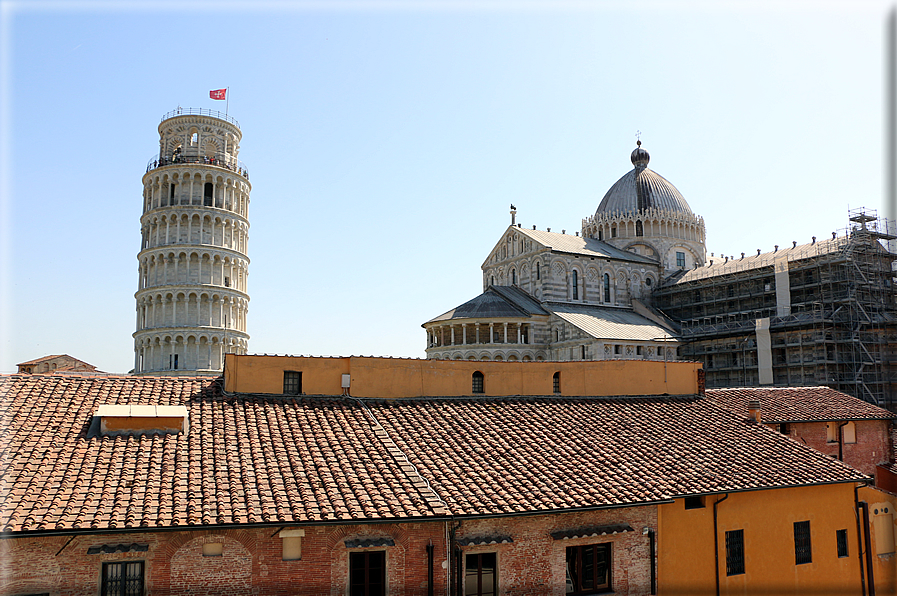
x=871 y=448
x=251 y=558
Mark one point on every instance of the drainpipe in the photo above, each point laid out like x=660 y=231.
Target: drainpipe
x=454 y=560
x=430 y=568
x=841 y=441
x=652 y=547
x=716 y=539
x=856 y=503
x=868 y=540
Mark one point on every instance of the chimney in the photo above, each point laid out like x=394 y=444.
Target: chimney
x=513 y=215
x=742 y=255
x=776 y=249
x=834 y=234
x=534 y=227
x=754 y=411
x=814 y=239
x=794 y=244
x=758 y=252
x=548 y=229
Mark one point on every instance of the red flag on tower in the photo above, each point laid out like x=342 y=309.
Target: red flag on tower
x=218 y=93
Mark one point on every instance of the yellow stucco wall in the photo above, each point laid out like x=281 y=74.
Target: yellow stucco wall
x=686 y=547
x=398 y=377
x=881 y=515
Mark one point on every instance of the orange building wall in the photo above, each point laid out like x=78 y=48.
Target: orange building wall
x=686 y=547
x=882 y=513
x=396 y=377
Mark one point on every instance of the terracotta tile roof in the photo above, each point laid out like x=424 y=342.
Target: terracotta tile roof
x=799 y=404
x=251 y=459
x=42 y=359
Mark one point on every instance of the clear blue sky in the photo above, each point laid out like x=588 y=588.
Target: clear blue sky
x=386 y=141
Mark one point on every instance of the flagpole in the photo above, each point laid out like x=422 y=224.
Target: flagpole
x=226 y=101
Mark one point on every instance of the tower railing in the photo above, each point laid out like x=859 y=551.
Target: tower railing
x=220 y=160
x=200 y=112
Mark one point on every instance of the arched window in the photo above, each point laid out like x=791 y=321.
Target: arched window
x=639 y=231
x=538 y=270
x=477 y=383
x=613 y=232
x=492 y=283
x=207 y=194
x=600 y=234
x=513 y=277
x=606 y=287
x=575 y=285
x=556 y=382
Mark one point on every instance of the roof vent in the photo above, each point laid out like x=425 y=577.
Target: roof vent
x=758 y=252
x=742 y=255
x=534 y=227
x=814 y=239
x=142 y=420
x=776 y=249
x=794 y=244
x=834 y=234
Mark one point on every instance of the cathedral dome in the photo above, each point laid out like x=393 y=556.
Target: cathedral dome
x=642 y=188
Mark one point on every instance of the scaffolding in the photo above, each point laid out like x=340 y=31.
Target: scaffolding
x=831 y=310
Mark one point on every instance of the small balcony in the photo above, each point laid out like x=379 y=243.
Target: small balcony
x=220 y=160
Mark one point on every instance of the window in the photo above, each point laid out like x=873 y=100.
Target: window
x=575 y=285
x=582 y=353
x=618 y=349
x=367 y=573
x=613 y=232
x=600 y=234
x=802 y=551
x=841 y=539
x=477 y=383
x=588 y=569
x=480 y=575
x=849 y=432
x=639 y=230
x=694 y=502
x=831 y=432
x=735 y=552
x=556 y=382
x=291 y=544
x=607 y=287
x=213 y=549
x=122 y=579
x=292 y=382
x=538 y=270
x=513 y=277
x=783 y=428
x=638 y=350
x=207 y=194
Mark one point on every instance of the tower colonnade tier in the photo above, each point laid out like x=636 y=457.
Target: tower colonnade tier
x=193 y=268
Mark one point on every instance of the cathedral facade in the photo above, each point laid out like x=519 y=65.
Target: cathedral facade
x=587 y=296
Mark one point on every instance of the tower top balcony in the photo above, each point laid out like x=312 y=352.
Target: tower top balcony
x=200 y=112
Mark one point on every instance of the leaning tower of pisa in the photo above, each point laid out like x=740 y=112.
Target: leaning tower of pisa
x=192 y=298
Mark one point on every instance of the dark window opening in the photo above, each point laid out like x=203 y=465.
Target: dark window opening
x=478 y=383
x=207 y=194
x=480 y=575
x=575 y=285
x=783 y=428
x=638 y=350
x=735 y=552
x=538 y=271
x=292 y=382
x=171 y=194
x=588 y=569
x=226 y=282
x=367 y=573
x=618 y=349
x=556 y=382
x=841 y=537
x=613 y=232
x=175 y=362
x=680 y=259
x=802 y=548
x=583 y=354
x=639 y=231
x=513 y=277
x=122 y=579
x=600 y=234
x=694 y=502
x=606 y=287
